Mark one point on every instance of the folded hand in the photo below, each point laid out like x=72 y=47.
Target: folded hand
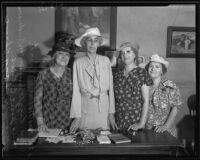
x=161 y=128
x=75 y=125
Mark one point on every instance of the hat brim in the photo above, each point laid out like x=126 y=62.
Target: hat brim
x=165 y=63
x=80 y=40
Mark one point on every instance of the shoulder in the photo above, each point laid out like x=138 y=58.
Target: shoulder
x=104 y=59
x=68 y=70
x=80 y=60
x=117 y=71
x=44 y=71
x=43 y=74
x=141 y=71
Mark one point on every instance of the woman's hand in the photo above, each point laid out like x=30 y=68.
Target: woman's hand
x=162 y=128
x=75 y=125
x=41 y=125
x=136 y=126
x=112 y=122
x=42 y=128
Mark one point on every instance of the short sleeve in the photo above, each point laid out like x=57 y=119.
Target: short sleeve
x=175 y=99
x=145 y=78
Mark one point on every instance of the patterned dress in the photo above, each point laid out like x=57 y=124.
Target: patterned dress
x=53 y=98
x=128 y=96
x=165 y=96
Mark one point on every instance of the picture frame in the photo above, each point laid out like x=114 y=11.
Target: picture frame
x=181 y=42
x=75 y=20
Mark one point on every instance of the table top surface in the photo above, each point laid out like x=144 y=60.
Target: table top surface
x=143 y=142
x=143 y=138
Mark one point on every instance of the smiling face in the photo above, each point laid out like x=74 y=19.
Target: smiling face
x=128 y=55
x=155 y=69
x=92 y=43
x=62 y=58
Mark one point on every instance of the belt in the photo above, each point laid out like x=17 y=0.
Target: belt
x=98 y=97
x=91 y=96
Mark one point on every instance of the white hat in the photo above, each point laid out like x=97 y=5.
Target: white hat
x=89 y=32
x=157 y=58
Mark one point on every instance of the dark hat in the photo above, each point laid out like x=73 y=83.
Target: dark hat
x=60 y=46
x=134 y=46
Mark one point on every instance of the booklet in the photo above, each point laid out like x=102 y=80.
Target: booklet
x=119 y=138
x=51 y=133
x=103 y=139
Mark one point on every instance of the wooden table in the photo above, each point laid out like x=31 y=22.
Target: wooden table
x=145 y=142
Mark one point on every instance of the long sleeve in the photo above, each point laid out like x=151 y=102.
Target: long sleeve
x=111 y=92
x=75 y=111
x=38 y=96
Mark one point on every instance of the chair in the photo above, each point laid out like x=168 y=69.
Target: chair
x=192 y=105
x=186 y=127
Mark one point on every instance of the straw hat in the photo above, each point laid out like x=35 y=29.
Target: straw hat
x=159 y=59
x=89 y=32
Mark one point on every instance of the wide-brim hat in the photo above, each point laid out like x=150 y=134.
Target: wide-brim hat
x=60 y=46
x=134 y=46
x=89 y=32
x=159 y=59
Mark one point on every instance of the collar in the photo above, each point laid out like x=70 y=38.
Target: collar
x=90 y=59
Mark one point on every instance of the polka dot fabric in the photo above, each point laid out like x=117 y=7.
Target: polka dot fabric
x=54 y=104
x=128 y=95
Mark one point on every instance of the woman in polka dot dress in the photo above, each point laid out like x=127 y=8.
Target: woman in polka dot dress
x=53 y=91
x=131 y=90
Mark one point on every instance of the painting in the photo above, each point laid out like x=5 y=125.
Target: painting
x=181 y=42
x=75 y=20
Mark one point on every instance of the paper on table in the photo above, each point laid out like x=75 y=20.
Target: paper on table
x=63 y=139
x=103 y=139
x=105 y=132
x=50 y=133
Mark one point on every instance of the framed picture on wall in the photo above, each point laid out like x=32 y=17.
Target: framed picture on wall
x=181 y=42
x=75 y=20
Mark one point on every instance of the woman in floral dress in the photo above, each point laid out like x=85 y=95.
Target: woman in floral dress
x=54 y=91
x=131 y=88
x=165 y=98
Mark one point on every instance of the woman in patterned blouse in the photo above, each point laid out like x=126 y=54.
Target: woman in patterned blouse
x=54 y=91
x=165 y=98
x=131 y=88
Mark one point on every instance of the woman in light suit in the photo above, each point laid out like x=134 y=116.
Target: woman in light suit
x=93 y=103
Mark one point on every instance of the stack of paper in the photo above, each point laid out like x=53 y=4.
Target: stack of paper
x=103 y=139
x=26 y=137
x=50 y=133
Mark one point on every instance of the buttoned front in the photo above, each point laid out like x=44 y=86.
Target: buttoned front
x=93 y=96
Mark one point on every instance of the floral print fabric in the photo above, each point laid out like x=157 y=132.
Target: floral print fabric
x=128 y=96
x=167 y=95
x=53 y=98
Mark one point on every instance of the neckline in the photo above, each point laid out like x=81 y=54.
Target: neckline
x=56 y=75
x=92 y=62
x=128 y=72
